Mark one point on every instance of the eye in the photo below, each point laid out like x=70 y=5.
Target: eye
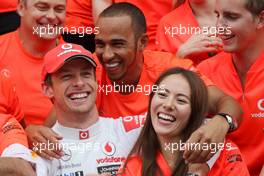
x=162 y=94
x=66 y=77
x=118 y=44
x=87 y=74
x=99 y=44
x=42 y=7
x=231 y=16
x=60 y=9
x=182 y=101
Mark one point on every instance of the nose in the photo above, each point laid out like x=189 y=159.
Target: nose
x=51 y=14
x=169 y=104
x=78 y=81
x=108 y=54
x=221 y=23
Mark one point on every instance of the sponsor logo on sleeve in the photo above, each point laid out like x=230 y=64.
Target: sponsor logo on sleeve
x=133 y=122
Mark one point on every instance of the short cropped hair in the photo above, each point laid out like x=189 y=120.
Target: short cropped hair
x=139 y=25
x=255 y=6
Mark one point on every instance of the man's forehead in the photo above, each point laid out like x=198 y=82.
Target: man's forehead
x=112 y=20
x=61 y=2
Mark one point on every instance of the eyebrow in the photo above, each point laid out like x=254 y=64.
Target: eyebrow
x=180 y=94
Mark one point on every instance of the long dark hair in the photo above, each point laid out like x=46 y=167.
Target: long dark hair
x=148 y=144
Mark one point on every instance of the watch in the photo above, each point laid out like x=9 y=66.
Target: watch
x=231 y=122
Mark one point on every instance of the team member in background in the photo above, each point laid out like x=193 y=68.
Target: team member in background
x=22 y=51
x=192 y=35
x=176 y=110
x=9 y=19
x=239 y=72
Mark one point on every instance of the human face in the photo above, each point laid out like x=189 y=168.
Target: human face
x=240 y=24
x=73 y=87
x=42 y=17
x=116 y=47
x=171 y=106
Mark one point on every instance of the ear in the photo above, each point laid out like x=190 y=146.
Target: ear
x=47 y=90
x=261 y=20
x=143 y=41
x=21 y=8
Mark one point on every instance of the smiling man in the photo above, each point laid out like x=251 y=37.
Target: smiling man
x=91 y=144
x=239 y=71
x=22 y=51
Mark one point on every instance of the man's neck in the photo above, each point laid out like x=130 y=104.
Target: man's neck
x=243 y=60
x=132 y=77
x=78 y=120
x=33 y=44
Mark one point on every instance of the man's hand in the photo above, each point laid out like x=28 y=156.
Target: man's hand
x=15 y=166
x=198 y=44
x=44 y=141
x=209 y=135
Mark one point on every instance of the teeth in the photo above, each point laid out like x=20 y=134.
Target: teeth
x=166 y=117
x=111 y=65
x=80 y=95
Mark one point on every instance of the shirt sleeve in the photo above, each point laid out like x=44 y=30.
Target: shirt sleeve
x=20 y=151
x=130 y=128
x=11 y=132
x=11 y=103
x=230 y=162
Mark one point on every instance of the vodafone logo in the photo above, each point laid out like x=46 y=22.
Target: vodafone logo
x=109 y=148
x=83 y=135
x=261 y=104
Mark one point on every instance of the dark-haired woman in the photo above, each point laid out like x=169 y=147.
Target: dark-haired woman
x=176 y=109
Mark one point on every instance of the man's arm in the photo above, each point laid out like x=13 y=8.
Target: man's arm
x=216 y=129
x=15 y=166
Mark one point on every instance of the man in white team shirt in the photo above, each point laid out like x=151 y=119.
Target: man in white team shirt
x=91 y=144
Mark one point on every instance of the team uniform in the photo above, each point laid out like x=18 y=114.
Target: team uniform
x=11 y=132
x=136 y=103
x=101 y=148
x=153 y=12
x=173 y=30
x=9 y=103
x=229 y=163
x=249 y=135
x=25 y=71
